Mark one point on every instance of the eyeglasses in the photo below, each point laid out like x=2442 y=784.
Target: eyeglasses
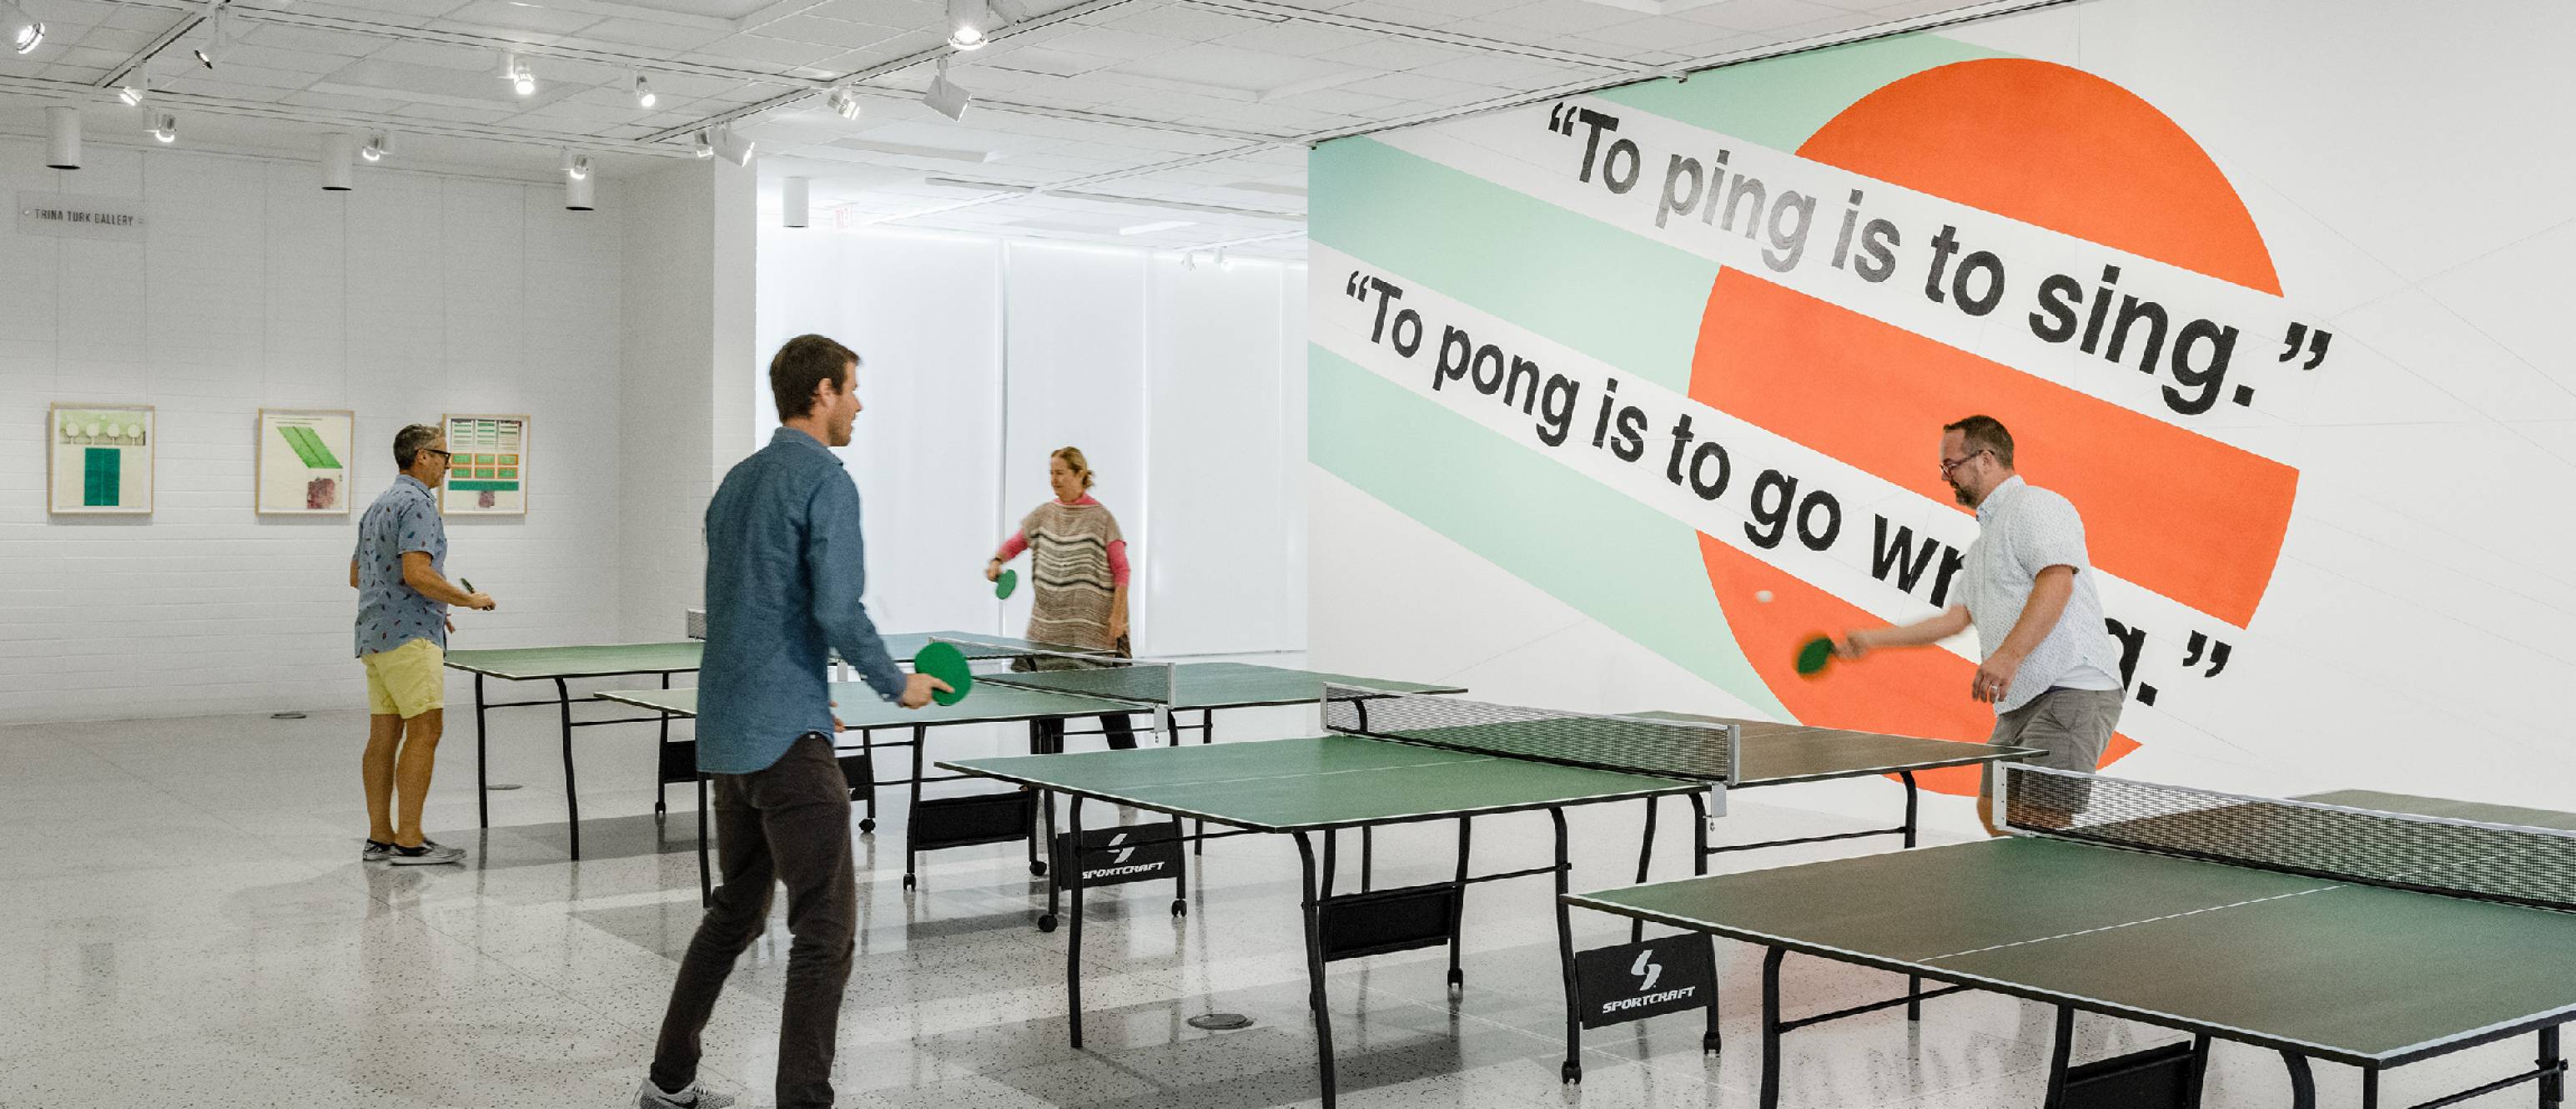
x=443 y=455
x=1946 y=467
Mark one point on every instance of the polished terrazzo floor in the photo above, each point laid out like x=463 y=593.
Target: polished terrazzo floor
x=188 y=924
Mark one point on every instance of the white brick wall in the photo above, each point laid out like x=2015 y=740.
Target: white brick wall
x=415 y=295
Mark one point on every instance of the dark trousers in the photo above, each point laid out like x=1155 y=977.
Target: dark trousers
x=789 y=823
x=1046 y=735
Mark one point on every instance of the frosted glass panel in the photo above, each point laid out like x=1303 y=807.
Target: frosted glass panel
x=1220 y=482
x=923 y=313
x=1077 y=378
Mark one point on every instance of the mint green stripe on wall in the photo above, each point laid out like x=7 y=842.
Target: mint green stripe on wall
x=1617 y=561
x=1608 y=294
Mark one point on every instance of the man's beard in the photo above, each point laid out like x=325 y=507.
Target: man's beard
x=1961 y=493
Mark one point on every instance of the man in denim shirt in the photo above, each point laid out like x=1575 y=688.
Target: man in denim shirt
x=785 y=568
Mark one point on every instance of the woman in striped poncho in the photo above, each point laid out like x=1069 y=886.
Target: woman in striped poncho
x=1078 y=568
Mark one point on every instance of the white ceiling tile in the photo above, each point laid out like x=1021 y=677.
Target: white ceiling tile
x=652 y=33
x=1193 y=24
x=776 y=52
x=1300 y=39
x=517 y=17
x=1758 y=15
x=818 y=31
x=1570 y=17
x=1105 y=42
x=891 y=13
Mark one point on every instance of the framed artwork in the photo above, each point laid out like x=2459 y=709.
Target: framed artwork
x=99 y=459
x=303 y=461
x=487 y=474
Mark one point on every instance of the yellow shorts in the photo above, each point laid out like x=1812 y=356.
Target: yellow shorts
x=406 y=681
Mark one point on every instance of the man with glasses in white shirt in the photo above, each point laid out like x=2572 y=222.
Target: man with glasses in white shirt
x=2051 y=669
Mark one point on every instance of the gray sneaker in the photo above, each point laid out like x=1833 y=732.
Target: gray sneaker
x=652 y=1097
x=429 y=853
x=375 y=851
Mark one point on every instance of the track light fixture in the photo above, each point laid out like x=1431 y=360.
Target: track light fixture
x=947 y=97
x=968 y=20
x=219 y=34
x=165 y=127
x=576 y=166
x=723 y=143
x=339 y=150
x=62 y=137
x=843 y=102
x=578 y=194
x=515 y=70
x=699 y=146
x=644 y=97
x=378 y=145
x=26 y=32
x=130 y=95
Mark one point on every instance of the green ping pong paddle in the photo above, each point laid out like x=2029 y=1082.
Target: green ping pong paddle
x=1814 y=655
x=1008 y=581
x=948 y=664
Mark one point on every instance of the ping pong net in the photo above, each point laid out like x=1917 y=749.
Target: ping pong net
x=2429 y=854
x=1094 y=675
x=1665 y=748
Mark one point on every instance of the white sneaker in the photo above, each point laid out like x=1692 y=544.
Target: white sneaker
x=651 y=1096
x=429 y=853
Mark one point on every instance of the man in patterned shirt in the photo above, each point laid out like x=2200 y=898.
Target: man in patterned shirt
x=2051 y=669
x=403 y=594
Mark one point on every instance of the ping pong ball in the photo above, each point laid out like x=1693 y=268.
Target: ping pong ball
x=1762 y=595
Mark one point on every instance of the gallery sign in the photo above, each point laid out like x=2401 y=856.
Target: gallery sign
x=80 y=217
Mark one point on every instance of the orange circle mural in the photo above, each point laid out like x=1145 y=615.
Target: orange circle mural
x=2164 y=507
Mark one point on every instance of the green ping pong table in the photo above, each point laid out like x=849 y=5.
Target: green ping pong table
x=1115 y=687
x=2368 y=929
x=561 y=665
x=1401 y=759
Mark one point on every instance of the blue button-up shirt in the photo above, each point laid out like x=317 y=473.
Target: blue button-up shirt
x=785 y=567
x=390 y=612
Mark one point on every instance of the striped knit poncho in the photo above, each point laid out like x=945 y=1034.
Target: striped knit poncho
x=1069 y=565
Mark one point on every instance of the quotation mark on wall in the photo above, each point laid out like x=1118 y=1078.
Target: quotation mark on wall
x=1560 y=118
x=2315 y=342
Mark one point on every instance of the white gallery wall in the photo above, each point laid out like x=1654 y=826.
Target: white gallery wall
x=1183 y=385
x=412 y=296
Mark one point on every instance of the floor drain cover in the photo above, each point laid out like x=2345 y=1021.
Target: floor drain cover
x=1220 y=1022
x=286 y=716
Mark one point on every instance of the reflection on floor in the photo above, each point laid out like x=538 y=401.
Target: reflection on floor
x=188 y=924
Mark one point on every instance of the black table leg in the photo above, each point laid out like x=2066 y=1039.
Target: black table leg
x=482 y=762
x=662 y=789
x=1458 y=907
x=1207 y=735
x=1699 y=835
x=2058 y=1057
x=1771 y=1026
x=1645 y=859
x=1368 y=856
x=572 y=792
x=2369 y=1089
x=1572 y=1071
x=1315 y=1000
x=1071 y=877
x=868 y=753
x=1046 y=831
x=1910 y=796
x=912 y=816
x=2303 y=1084
x=2553 y=1085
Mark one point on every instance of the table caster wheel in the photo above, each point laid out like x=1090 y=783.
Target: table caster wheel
x=1457 y=980
x=1573 y=1074
x=907 y=881
x=1046 y=923
x=867 y=824
x=1180 y=907
x=1037 y=870
x=1708 y=1044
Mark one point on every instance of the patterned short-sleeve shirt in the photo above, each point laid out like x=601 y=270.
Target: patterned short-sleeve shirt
x=390 y=612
